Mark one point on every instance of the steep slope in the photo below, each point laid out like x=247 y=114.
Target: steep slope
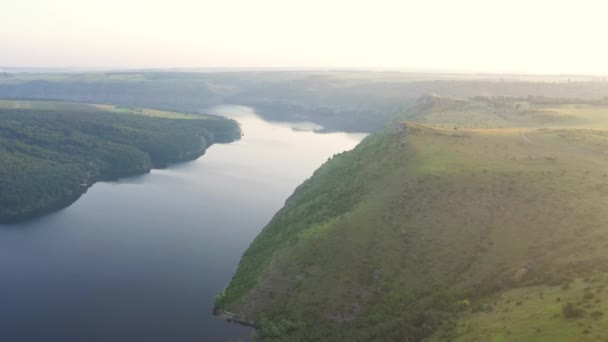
x=406 y=236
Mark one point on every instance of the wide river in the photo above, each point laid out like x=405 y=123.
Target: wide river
x=141 y=259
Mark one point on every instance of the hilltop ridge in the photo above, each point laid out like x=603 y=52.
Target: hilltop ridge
x=416 y=232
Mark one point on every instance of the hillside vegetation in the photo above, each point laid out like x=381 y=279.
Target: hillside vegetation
x=476 y=220
x=51 y=152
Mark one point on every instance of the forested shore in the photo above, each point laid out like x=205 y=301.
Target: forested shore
x=48 y=158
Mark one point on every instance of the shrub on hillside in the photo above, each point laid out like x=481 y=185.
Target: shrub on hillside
x=570 y=311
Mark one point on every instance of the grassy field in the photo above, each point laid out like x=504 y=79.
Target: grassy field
x=48 y=105
x=537 y=313
x=587 y=115
x=85 y=108
x=149 y=112
x=408 y=235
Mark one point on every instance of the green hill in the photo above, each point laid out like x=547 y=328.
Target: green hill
x=51 y=152
x=476 y=220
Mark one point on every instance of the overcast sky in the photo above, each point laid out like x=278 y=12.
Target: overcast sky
x=531 y=36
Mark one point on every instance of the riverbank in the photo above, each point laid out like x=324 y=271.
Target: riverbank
x=153 y=250
x=232 y=317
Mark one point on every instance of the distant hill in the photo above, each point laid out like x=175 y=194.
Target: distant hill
x=51 y=152
x=476 y=220
x=344 y=100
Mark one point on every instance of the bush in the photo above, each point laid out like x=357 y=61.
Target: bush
x=597 y=314
x=570 y=311
x=219 y=299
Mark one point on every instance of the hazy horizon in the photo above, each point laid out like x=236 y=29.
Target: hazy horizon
x=219 y=69
x=471 y=36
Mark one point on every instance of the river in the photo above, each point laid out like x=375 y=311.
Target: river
x=140 y=259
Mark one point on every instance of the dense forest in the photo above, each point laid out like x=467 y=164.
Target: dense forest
x=48 y=158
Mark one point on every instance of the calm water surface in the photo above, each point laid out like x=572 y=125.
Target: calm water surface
x=141 y=259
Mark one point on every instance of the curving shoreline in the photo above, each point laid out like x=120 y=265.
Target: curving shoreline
x=50 y=158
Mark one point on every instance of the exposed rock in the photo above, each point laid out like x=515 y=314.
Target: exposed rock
x=378 y=274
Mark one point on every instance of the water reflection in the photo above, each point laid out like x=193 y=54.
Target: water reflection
x=140 y=259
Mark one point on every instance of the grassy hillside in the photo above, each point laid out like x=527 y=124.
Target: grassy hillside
x=447 y=227
x=51 y=152
x=87 y=108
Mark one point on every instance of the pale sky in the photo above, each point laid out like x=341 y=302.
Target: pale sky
x=529 y=36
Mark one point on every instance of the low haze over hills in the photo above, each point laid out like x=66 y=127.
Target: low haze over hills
x=277 y=170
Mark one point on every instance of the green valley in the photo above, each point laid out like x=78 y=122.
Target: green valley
x=51 y=152
x=466 y=220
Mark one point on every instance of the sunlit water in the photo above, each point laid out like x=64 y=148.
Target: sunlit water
x=142 y=258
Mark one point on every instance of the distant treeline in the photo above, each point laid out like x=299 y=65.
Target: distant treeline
x=338 y=100
x=49 y=158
